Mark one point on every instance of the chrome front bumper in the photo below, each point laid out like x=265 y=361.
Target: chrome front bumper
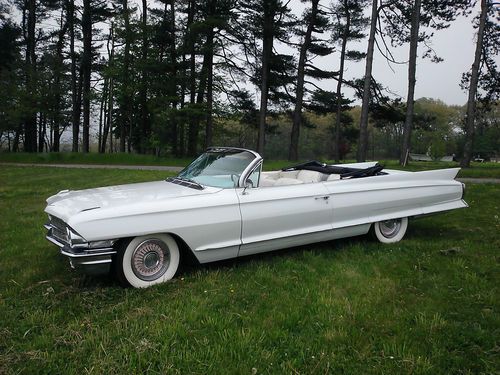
x=89 y=259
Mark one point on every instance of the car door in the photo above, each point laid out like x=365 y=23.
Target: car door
x=283 y=216
x=348 y=204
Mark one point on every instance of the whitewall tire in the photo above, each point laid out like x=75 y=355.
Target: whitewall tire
x=148 y=260
x=390 y=231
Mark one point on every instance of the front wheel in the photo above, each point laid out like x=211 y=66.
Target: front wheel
x=148 y=260
x=390 y=231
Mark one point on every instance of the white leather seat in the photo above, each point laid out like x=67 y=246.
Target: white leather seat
x=267 y=182
x=288 y=174
x=309 y=176
x=287 y=181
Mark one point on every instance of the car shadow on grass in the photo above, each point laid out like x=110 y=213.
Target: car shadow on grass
x=76 y=278
x=428 y=230
x=324 y=248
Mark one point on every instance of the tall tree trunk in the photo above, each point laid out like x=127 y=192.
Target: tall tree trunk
x=56 y=123
x=15 y=141
x=474 y=78
x=58 y=73
x=75 y=110
x=338 y=115
x=126 y=121
x=50 y=146
x=79 y=91
x=87 y=71
x=182 y=130
x=267 y=51
x=194 y=123
x=363 y=123
x=109 y=118
x=293 y=153
x=30 y=131
x=210 y=78
x=104 y=135
x=42 y=130
x=210 y=83
x=412 y=68
x=172 y=92
x=102 y=115
x=209 y=127
x=145 y=126
x=111 y=142
x=203 y=81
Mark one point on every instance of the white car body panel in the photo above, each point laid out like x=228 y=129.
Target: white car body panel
x=269 y=213
x=217 y=223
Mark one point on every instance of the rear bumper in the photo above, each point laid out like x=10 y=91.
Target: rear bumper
x=90 y=260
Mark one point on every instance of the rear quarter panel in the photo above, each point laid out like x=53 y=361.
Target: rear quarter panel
x=371 y=199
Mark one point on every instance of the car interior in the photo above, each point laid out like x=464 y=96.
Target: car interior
x=314 y=171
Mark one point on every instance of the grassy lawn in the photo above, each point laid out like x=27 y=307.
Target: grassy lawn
x=427 y=305
x=478 y=170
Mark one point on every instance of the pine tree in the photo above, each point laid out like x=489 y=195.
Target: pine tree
x=431 y=14
x=11 y=81
x=315 y=22
x=75 y=94
x=262 y=22
x=30 y=130
x=349 y=26
x=367 y=83
x=484 y=73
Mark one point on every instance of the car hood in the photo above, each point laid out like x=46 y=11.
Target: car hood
x=70 y=202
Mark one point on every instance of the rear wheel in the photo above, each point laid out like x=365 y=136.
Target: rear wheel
x=147 y=260
x=390 y=231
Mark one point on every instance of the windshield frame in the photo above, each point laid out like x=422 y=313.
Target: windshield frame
x=227 y=150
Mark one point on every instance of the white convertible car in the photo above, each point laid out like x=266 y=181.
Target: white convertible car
x=224 y=206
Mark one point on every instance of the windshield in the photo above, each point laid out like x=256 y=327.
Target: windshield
x=218 y=168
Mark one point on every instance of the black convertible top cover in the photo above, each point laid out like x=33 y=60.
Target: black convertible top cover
x=344 y=172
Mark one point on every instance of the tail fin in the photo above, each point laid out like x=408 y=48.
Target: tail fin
x=442 y=174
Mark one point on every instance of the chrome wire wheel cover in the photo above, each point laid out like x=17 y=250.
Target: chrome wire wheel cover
x=390 y=228
x=150 y=259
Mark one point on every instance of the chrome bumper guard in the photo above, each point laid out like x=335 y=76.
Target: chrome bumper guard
x=90 y=260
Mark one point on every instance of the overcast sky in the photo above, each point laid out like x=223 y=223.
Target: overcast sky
x=440 y=81
x=436 y=80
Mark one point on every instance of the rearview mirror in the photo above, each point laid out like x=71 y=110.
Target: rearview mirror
x=248 y=184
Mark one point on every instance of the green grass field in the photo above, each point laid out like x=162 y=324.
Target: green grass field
x=477 y=170
x=426 y=305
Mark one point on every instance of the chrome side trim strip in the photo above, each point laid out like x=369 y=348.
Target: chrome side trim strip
x=71 y=255
x=92 y=262
x=99 y=250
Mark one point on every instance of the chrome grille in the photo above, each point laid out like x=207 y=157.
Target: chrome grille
x=58 y=228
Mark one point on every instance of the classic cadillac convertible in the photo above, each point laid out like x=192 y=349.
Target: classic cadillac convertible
x=224 y=206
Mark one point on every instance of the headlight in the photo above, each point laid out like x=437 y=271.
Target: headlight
x=74 y=239
x=101 y=244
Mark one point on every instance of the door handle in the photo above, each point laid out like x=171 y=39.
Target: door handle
x=326 y=197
